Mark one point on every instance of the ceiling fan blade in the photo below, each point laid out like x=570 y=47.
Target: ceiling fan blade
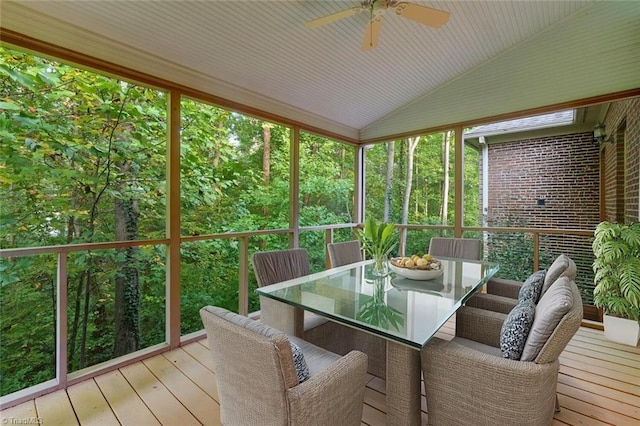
x=371 y=35
x=333 y=17
x=422 y=14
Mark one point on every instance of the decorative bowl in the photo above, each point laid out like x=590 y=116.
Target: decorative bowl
x=414 y=273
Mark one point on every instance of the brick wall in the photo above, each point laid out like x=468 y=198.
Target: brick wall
x=554 y=182
x=550 y=182
x=622 y=162
x=562 y=172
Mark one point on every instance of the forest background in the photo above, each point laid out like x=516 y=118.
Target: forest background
x=83 y=159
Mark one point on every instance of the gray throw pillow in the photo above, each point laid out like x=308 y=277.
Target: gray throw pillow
x=551 y=308
x=562 y=266
x=515 y=329
x=302 y=369
x=532 y=288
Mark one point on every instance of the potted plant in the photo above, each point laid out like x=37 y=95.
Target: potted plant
x=378 y=241
x=617 y=278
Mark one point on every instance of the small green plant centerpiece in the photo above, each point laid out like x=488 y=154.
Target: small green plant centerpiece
x=617 y=276
x=378 y=240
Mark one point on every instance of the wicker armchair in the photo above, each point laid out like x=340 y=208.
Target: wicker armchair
x=469 y=382
x=257 y=379
x=344 y=253
x=276 y=266
x=502 y=294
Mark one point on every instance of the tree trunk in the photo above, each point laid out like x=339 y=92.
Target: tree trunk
x=127 y=309
x=444 y=210
x=266 y=159
x=389 y=181
x=412 y=144
x=82 y=360
x=75 y=324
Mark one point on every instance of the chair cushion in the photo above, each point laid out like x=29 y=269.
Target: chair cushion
x=481 y=347
x=301 y=365
x=515 y=329
x=553 y=305
x=317 y=358
x=532 y=288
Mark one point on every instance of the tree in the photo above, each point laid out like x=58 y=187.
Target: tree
x=411 y=147
x=74 y=146
x=388 y=182
x=445 y=177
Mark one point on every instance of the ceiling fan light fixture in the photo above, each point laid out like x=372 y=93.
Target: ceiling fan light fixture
x=424 y=15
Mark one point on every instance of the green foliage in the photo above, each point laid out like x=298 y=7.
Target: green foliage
x=78 y=146
x=617 y=269
x=378 y=239
x=512 y=251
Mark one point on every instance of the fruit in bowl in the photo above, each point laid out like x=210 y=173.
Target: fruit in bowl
x=417 y=267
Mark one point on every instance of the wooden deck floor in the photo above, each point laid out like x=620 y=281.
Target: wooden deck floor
x=599 y=384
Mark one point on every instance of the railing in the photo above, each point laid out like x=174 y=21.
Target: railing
x=64 y=378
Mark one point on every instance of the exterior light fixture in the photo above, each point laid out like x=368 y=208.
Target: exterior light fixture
x=600 y=134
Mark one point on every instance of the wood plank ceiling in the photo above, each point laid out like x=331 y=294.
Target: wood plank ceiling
x=491 y=58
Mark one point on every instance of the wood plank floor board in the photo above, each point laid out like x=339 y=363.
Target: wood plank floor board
x=378 y=384
x=597 y=385
x=19 y=413
x=597 y=350
x=573 y=418
x=604 y=364
x=90 y=405
x=124 y=401
x=373 y=417
x=597 y=414
x=55 y=409
x=157 y=397
x=606 y=345
x=600 y=401
x=201 y=354
x=375 y=399
x=602 y=370
x=202 y=406
x=582 y=374
x=614 y=394
x=197 y=372
x=586 y=351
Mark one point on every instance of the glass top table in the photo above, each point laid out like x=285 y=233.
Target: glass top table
x=406 y=311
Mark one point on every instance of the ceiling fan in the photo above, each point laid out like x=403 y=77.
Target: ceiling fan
x=422 y=14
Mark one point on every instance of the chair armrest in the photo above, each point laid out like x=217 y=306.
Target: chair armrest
x=492 y=302
x=503 y=287
x=479 y=325
x=333 y=396
x=468 y=387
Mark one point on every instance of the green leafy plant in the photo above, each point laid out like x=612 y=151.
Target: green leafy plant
x=617 y=269
x=378 y=239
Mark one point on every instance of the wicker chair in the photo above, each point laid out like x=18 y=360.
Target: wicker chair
x=462 y=248
x=276 y=266
x=469 y=382
x=502 y=294
x=344 y=253
x=258 y=383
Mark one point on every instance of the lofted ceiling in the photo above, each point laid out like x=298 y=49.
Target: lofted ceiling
x=491 y=58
